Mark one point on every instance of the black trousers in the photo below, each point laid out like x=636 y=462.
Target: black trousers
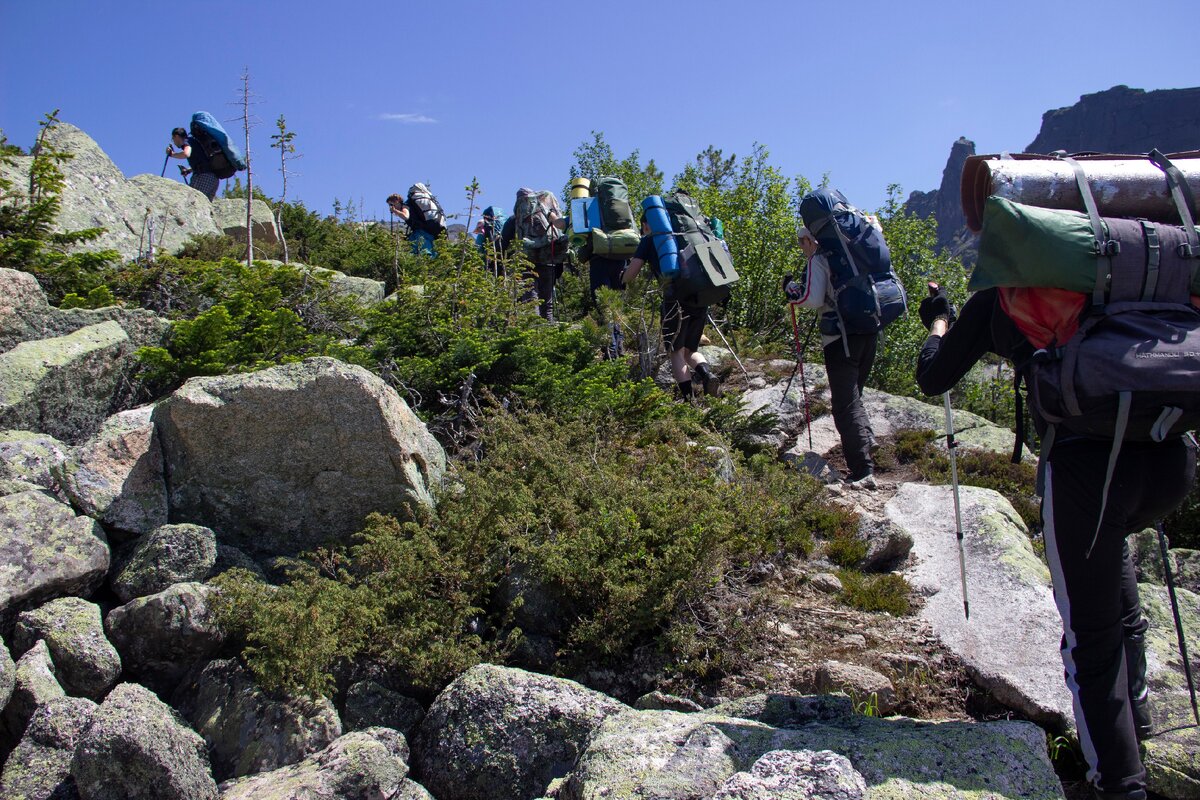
x=544 y=277
x=847 y=377
x=1103 y=644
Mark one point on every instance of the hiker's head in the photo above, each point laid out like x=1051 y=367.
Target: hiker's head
x=179 y=136
x=808 y=242
x=395 y=200
x=645 y=224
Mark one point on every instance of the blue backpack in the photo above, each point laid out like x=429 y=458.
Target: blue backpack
x=868 y=295
x=223 y=157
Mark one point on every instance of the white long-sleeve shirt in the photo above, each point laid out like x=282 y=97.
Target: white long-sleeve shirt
x=818 y=291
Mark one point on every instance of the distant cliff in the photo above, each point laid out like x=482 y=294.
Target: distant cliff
x=1119 y=120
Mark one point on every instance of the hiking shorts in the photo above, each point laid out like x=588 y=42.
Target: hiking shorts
x=682 y=325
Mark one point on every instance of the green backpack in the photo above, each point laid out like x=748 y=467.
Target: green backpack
x=618 y=236
x=706 y=273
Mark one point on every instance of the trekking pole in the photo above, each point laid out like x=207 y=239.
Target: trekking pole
x=1187 y=666
x=800 y=349
x=166 y=160
x=951 y=444
x=713 y=322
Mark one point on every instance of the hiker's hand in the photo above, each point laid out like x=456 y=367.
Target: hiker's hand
x=170 y=149
x=934 y=306
x=793 y=290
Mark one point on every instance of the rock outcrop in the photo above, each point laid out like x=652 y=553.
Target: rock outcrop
x=230 y=216
x=288 y=458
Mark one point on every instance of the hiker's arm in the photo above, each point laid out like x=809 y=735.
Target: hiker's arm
x=814 y=283
x=631 y=272
x=946 y=358
x=184 y=153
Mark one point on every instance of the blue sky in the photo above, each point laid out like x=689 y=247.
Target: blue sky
x=384 y=94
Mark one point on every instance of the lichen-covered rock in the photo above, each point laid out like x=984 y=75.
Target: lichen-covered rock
x=47 y=551
x=503 y=734
x=370 y=705
x=862 y=684
x=1172 y=756
x=229 y=214
x=285 y=459
x=64 y=386
x=787 y=710
x=161 y=636
x=86 y=662
x=167 y=555
x=248 y=731
x=34 y=686
x=660 y=701
x=8 y=675
x=137 y=748
x=230 y=557
x=31 y=457
x=364 y=290
x=796 y=775
x=672 y=756
x=1187 y=569
x=356 y=765
x=117 y=475
x=40 y=767
x=1010 y=645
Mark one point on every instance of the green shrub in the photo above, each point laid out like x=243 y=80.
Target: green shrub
x=845 y=549
x=887 y=593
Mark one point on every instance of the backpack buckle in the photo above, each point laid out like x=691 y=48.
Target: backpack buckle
x=1187 y=250
x=1109 y=247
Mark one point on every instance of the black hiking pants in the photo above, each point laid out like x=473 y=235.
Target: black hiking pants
x=544 y=277
x=1103 y=645
x=847 y=377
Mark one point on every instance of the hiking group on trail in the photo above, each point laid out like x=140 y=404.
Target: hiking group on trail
x=1099 y=315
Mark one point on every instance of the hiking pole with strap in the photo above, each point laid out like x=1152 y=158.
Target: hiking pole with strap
x=166 y=161
x=800 y=350
x=1187 y=666
x=951 y=445
x=713 y=322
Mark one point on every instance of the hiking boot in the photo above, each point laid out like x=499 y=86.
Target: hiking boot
x=708 y=381
x=867 y=482
x=1143 y=717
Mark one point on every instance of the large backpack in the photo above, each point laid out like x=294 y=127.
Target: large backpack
x=706 y=273
x=424 y=211
x=867 y=294
x=617 y=236
x=224 y=159
x=534 y=214
x=1121 y=361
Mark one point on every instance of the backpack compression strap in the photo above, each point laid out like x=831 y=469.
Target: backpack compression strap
x=1105 y=247
x=1184 y=201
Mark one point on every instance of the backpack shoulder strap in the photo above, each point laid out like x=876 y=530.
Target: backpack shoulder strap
x=1105 y=247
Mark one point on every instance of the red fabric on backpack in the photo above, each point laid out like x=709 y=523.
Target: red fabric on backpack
x=1047 y=317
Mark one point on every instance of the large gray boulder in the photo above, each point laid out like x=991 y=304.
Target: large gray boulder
x=137 y=748
x=1010 y=645
x=672 y=756
x=96 y=194
x=369 y=705
x=230 y=216
x=47 y=551
x=161 y=636
x=117 y=475
x=64 y=386
x=40 y=767
x=497 y=733
x=26 y=315
x=167 y=555
x=288 y=458
x=34 y=686
x=1172 y=755
x=248 y=731
x=87 y=663
x=31 y=457
x=357 y=765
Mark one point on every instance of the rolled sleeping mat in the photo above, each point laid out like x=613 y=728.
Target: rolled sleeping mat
x=580 y=187
x=1123 y=185
x=664 y=237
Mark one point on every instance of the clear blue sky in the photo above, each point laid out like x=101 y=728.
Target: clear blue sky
x=383 y=94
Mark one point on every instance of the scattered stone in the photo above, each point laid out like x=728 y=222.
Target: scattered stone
x=246 y=730
x=40 y=767
x=117 y=475
x=287 y=458
x=34 y=686
x=167 y=555
x=813 y=465
x=866 y=687
x=887 y=544
x=370 y=705
x=86 y=662
x=137 y=748
x=660 y=701
x=854 y=641
x=503 y=734
x=47 y=551
x=161 y=636
x=826 y=582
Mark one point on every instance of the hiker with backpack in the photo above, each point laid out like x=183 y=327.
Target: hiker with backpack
x=1111 y=355
x=538 y=227
x=848 y=279
x=424 y=216
x=682 y=322
x=489 y=241
x=202 y=178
